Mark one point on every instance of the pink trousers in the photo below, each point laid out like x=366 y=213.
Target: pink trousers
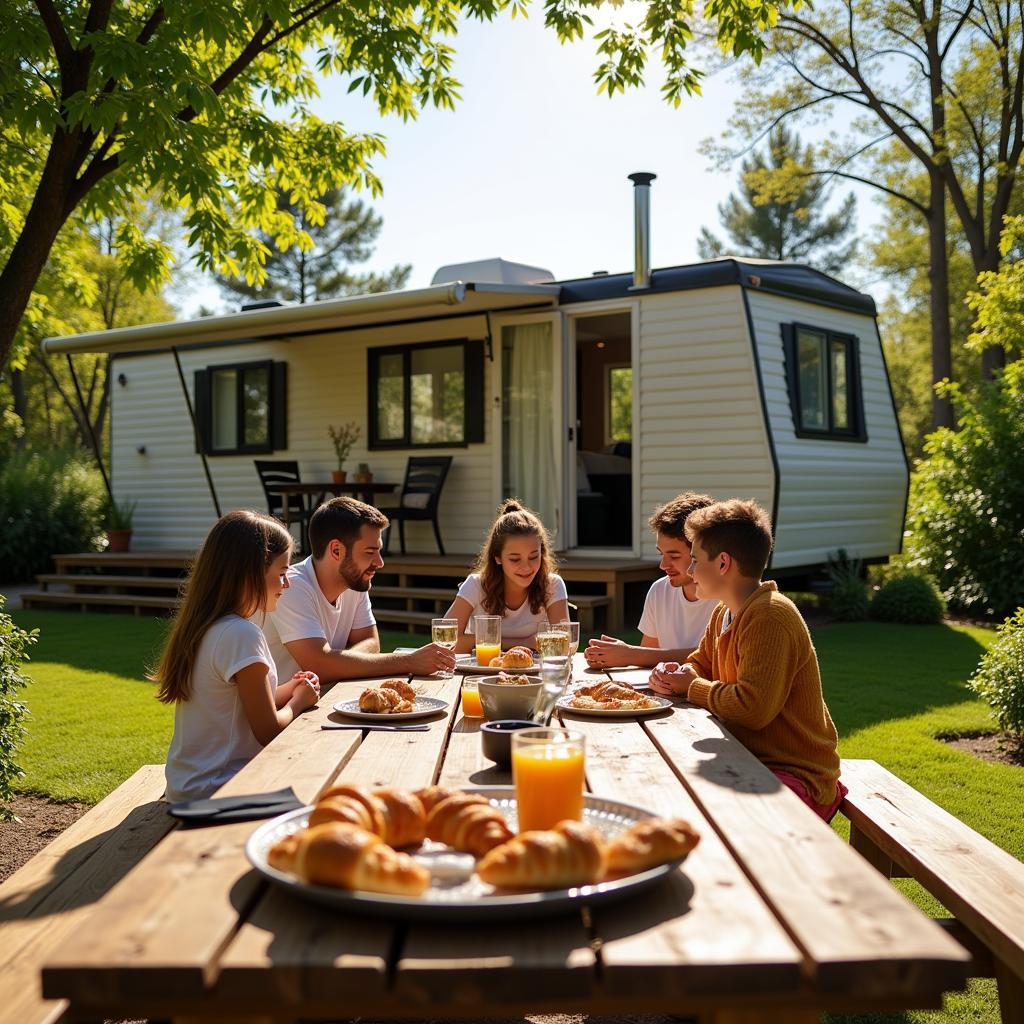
x=823 y=811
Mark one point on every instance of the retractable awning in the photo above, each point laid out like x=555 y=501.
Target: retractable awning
x=457 y=298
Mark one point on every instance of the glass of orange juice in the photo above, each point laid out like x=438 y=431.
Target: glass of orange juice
x=487 y=630
x=548 y=772
x=471 y=706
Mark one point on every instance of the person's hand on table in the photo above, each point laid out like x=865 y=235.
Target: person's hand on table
x=305 y=690
x=671 y=679
x=607 y=653
x=430 y=659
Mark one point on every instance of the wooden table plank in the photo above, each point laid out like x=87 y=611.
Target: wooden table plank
x=859 y=935
x=633 y=676
x=707 y=930
x=162 y=929
x=287 y=951
x=464 y=761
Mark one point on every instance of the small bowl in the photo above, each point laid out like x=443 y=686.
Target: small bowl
x=496 y=739
x=504 y=700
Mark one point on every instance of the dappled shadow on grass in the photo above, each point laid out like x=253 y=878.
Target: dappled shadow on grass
x=875 y=672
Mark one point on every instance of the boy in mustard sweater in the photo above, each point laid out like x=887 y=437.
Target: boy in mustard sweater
x=755 y=667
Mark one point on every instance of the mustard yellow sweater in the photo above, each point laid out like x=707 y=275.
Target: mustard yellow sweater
x=761 y=678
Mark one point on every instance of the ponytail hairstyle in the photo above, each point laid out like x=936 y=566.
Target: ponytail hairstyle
x=514 y=520
x=228 y=576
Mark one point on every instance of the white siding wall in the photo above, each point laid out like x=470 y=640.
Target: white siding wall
x=832 y=494
x=326 y=385
x=700 y=422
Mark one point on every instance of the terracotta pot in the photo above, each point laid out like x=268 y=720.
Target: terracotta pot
x=339 y=476
x=119 y=540
x=363 y=478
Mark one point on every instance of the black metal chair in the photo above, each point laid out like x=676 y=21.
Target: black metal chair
x=285 y=471
x=421 y=492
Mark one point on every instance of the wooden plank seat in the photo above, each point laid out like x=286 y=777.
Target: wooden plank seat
x=901 y=832
x=46 y=899
x=586 y=605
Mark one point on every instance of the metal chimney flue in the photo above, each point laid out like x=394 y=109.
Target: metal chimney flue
x=641 y=228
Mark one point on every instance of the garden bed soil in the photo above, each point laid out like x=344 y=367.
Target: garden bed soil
x=41 y=822
x=994 y=747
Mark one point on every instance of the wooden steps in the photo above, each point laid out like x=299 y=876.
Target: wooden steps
x=78 y=580
x=86 y=602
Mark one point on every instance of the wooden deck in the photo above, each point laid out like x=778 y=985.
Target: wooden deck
x=410 y=588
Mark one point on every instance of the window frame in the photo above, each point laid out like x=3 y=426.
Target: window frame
x=276 y=407
x=857 y=430
x=608 y=368
x=473 y=393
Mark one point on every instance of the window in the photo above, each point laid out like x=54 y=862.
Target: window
x=823 y=375
x=240 y=408
x=619 y=414
x=427 y=396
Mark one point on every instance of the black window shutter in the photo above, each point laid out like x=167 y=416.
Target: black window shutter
x=860 y=427
x=203 y=412
x=474 y=392
x=279 y=407
x=792 y=370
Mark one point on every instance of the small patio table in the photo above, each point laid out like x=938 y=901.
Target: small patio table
x=771 y=918
x=366 y=491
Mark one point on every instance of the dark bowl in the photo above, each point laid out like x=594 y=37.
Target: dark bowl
x=496 y=739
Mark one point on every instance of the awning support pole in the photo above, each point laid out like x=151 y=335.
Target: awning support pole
x=195 y=429
x=89 y=430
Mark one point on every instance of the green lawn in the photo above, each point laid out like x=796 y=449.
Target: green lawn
x=891 y=690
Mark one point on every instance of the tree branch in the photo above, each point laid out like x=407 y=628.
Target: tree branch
x=956 y=30
x=62 y=48
x=924 y=210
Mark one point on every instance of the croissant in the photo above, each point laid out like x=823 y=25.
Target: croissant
x=401 y=687
x=377 y=701
x=608 y=691
x=405 y=820
x=431 y=796
x=353 y=805
x=650 y=843
x=347 y=857
x=469 y=823
x=571 y=854
x=515 y=657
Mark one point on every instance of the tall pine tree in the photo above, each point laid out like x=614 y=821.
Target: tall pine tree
x=793 y=227
x=346 y=236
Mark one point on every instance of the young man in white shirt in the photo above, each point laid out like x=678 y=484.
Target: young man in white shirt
x=323 y=622
x=674 y=618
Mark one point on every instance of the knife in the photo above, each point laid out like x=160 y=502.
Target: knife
x=375 y=728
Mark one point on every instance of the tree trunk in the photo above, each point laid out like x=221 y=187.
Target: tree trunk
x=20 y=397
x=938 y=279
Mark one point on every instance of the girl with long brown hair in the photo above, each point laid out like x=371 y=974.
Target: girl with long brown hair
x=216 y=668
x=514 y=577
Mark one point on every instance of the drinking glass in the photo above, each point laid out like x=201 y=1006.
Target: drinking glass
x=573 y=629
x=553 y=638
x=487 y=629
x=555 y=671
x=445 y=633
x=471 y=706
x=548 y=772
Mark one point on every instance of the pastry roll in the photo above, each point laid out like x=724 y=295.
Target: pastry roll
x=571 y=854
x=405 y=820
x=354 y=805
x=517 y=657
x=401 y=687
x=650 y=843
x=468 y=823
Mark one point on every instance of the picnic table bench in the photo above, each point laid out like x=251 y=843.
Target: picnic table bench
x=772 y=918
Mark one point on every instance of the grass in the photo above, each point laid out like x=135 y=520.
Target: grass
x=891 y=690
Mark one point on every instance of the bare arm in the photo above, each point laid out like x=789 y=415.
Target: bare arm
x=264 y=718
x=364 y=659
x=611 y=653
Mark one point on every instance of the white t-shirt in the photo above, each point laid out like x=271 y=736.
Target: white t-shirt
x=303 y=613
x=516 y=624
x=212 y=737
x=676 y=622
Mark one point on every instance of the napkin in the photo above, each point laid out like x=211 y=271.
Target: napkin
x=223 y=809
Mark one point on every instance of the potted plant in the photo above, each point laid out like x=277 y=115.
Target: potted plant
x=363 y=474
x=343 y=438
x=119 y=516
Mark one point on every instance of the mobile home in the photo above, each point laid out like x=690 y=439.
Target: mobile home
x=592 y=399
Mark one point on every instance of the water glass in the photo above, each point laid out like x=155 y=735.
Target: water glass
x=573 y=629
x=555 y=672
x=487 y=630
x=445 y=633
x=548 y=769
x=552 y=638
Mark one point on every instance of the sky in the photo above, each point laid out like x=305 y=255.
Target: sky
x=531 y=165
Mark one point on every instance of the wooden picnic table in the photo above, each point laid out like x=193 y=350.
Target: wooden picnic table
x=772 y=918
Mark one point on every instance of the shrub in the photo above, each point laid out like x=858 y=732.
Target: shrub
x=966 y=517
x=909 y=598
x=49 y=504
x=13 y=643
x=999 y=677
x=849 y=597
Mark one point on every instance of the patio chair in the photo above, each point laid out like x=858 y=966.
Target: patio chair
x=284 y=471
x=421 y=492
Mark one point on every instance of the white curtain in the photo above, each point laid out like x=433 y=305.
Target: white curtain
x=530 y=408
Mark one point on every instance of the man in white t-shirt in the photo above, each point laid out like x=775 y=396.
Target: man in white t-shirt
x=674 y=618
x=323 y=622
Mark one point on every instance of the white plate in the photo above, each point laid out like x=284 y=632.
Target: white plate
x=468 y=899
x=466 y=663
x=564 y=704
x=423 y=707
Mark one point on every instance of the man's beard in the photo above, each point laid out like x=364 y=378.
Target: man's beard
x=354 y=579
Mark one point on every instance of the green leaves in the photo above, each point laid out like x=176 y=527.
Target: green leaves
x=14 y=644
x=999 y=679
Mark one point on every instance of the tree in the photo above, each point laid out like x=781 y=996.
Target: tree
x=209 y=101
x=345 y=235
x=790 y=228
x=938 y=87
